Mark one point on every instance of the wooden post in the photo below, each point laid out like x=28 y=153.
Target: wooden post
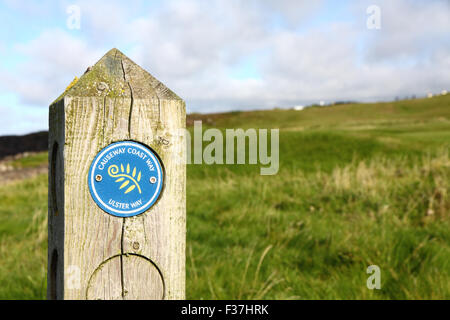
x=93 y=254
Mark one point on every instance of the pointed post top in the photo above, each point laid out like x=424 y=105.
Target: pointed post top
x=115 y=75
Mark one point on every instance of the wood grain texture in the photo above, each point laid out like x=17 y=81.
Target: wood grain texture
x=141 y=257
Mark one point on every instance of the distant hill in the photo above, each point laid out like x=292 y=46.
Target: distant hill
x=396 y=113
x=33 y=142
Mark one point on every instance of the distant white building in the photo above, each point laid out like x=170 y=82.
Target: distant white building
x=444 y=92
x=298 y=108
x=322 y=103
x=430 y=95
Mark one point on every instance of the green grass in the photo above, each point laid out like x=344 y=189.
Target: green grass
x=23 y=239
x=314 y=234
x=32 y=161
x=387 y=115
x=358 y=185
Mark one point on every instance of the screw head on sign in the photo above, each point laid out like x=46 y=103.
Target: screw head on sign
x=98 y=178
x=152 y=180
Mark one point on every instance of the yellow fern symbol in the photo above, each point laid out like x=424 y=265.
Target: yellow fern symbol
x=124 y=175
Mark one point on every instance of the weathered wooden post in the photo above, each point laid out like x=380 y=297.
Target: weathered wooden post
x=117 y=186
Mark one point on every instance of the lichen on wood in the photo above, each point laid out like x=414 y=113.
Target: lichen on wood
x=117 y=71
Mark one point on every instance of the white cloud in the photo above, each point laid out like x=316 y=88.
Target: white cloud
x=410 y=30
x=195 y=46
x=294 y=11
x=53 y=59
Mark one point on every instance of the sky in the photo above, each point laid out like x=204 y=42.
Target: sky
x=224 y=55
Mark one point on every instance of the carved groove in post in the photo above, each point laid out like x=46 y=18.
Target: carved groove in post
x=53 y=174
x=53 y=275
x=149 y=272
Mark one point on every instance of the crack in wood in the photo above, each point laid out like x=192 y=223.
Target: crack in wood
x=122 y=239
x=122 y=281
x=131 y=97
x=104 y=121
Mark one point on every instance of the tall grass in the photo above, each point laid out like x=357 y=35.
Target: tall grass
x=313 y=235
x=23 y=239
x=290 y=236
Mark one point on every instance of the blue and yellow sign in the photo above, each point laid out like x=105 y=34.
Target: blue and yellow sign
x=125 y=179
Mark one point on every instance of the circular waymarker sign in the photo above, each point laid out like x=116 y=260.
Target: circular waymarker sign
x=125 y=178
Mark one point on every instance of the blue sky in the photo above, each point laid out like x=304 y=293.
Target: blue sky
x=222 y=55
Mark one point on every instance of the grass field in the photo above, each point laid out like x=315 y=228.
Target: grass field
x=358 y=184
